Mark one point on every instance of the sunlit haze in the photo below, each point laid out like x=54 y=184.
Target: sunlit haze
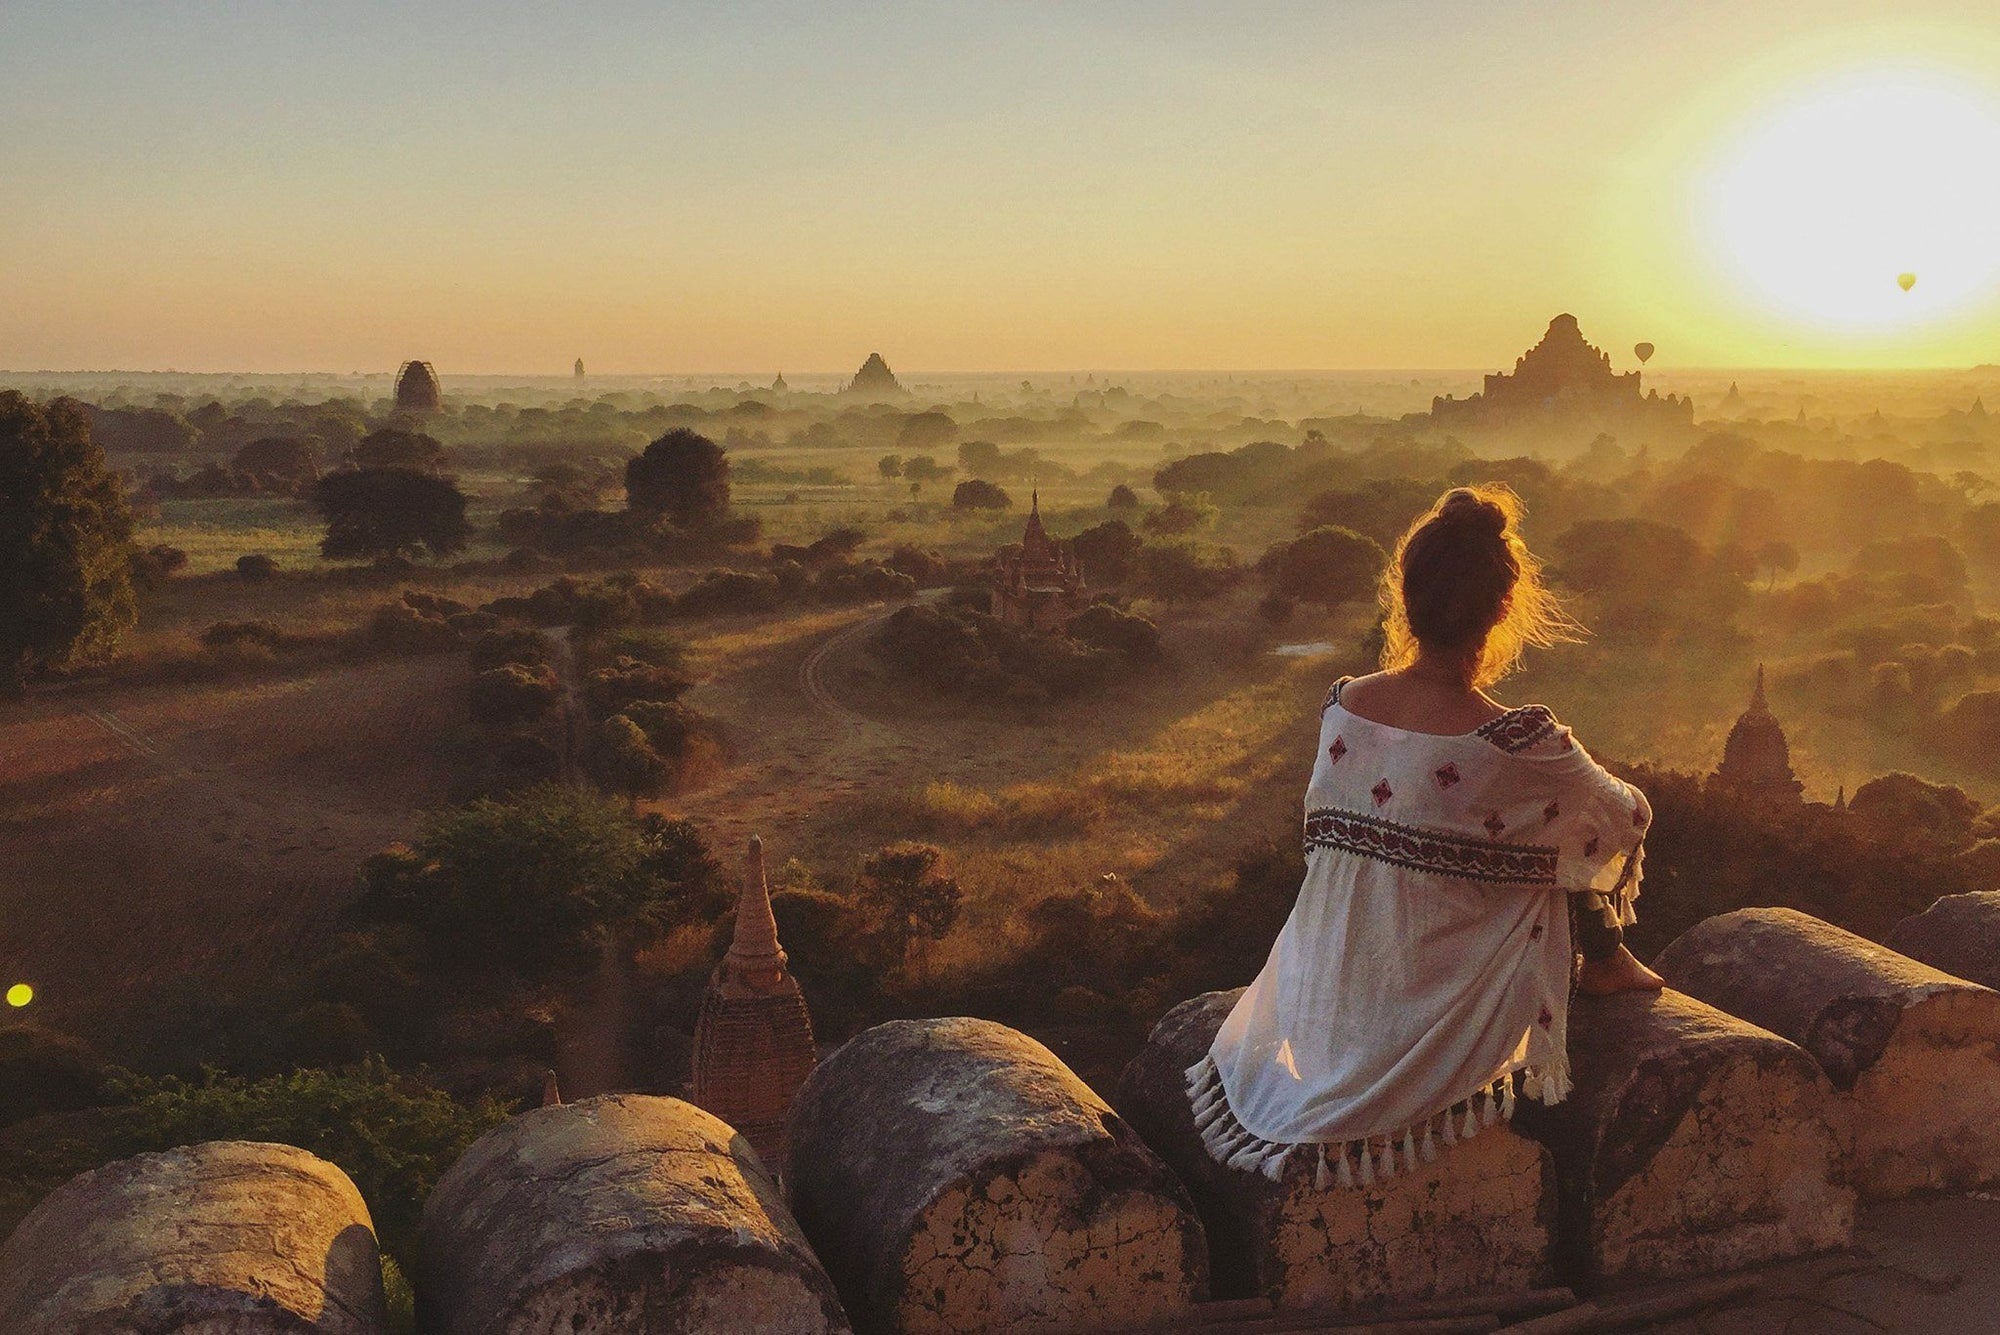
x=503 y=188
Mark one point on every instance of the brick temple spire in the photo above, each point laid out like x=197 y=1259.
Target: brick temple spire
x=753 y=1045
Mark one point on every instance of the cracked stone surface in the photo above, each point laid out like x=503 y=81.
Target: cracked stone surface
x=1959 y=934
x=1693 y=1143
x=224 y=1238
x=625 y=1213
x=955 y=1175
x=1479 y=1219
x=1914 y=1051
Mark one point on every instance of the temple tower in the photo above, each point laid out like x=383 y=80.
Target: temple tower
x=417 y=389
x=753 y=1045
x=1041 y=587
x=1756 y=761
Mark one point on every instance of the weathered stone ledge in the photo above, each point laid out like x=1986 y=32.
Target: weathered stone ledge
x=1692 y=1143
x=955 y=1176
x=1479 y=1219
x=226 y=1238
x=1915 y=1052
x=621 y=1213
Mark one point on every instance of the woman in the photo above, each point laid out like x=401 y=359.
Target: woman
x=1450 y=842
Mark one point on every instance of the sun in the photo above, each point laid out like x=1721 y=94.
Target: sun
x=1830 y=198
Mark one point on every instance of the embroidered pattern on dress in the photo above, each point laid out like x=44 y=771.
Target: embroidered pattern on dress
x=1430 y=850
x=1337 y=750
x=1494 y=825
x=1551 y=811
x=1333 y=695
x=1518 y=729
x=1381 y=792
x=1447 y=774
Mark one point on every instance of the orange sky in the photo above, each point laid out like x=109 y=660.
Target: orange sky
x=505 y=187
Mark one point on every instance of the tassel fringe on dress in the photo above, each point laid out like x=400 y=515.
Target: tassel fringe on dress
x=1370 y=1159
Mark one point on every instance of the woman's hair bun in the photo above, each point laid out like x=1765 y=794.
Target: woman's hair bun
x=1468 y=508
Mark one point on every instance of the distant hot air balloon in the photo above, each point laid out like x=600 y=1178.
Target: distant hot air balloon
x=1906 y=281
x=1643 y=351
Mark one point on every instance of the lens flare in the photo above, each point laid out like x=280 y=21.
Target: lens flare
x=19 y=995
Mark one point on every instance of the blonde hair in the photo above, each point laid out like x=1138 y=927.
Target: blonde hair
x=1463 y=581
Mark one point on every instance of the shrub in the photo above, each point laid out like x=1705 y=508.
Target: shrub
x=624 y=680
x=255 y=568
x=43 y=1071
x=496 y=648
x=224 y=635
x=1186 y=570
x=978 y=494
x=1133 y=638
x=682 y=476
x=624 y=759
x=158 y=563
x=400 y=626
x=656 y=647
x=1276 y=609
x=925 y=567
x=514 y=694
x=1122 y=498
x=729 y=591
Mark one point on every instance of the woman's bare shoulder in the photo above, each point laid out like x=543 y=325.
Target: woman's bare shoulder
x=1396 y=701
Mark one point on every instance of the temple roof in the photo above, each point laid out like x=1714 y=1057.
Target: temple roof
x=1756 y=757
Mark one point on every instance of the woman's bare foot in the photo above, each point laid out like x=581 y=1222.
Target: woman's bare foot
x=1617 y=972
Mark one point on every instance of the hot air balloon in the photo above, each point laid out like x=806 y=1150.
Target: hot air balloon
x=1643 y=351
x=1906 y=281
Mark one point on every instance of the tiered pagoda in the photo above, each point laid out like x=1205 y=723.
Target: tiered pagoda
x=1039 y=587
x=753 y=1044
x=1561 y=377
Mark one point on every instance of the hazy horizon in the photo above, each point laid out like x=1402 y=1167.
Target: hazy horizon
x=256 y=187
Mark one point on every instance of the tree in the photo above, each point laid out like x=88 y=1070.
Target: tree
x=1183 y=513
x=535 y=882
x=65 y=543
x=890 y=466
x=927 y=431
x=914 y=903
x=1327 y=566
x=1777 y=557
x=286 y=457
x=1122 y=498
x=1106 y=552
x=976 y=494
x=373 y=512
x=682 y=476
x=393 y=447
x=979 y=458
x=923 y=468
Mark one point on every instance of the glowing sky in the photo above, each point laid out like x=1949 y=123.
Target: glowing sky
x=1356 y=183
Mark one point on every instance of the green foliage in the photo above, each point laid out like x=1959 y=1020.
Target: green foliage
x=1325 y=565
x=927 y=431
x=1186 y=570
x=394 y=447
x=394 y=1135
x=1381 y=508
x=623 y=758
x=961 y=652
x=65 y=543
x=1133 y=638
x=374 y=512
x=902 y=885
x=979 y=494
x=513 y=694
x=1122 y=497
x=1107 y=551
x=683 y=476
x=1184 y=513
x=531 y=883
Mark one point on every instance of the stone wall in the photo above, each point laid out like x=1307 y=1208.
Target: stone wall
x=954 y=1174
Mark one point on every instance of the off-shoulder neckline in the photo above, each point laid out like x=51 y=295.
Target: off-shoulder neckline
x=1493 y=730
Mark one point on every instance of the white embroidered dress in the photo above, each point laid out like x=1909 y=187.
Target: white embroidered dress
x=1428 y=957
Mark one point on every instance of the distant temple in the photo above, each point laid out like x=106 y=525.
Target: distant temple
x=875 y=377
x=779 y=386
x=579 y=368
x=1040 y=587
x=1756 y=761
x=417 y=389
x=753 y=1043
x=1561 y=377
